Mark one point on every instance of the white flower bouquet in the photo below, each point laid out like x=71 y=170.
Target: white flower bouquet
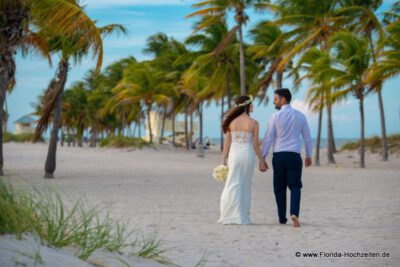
x=220 y=173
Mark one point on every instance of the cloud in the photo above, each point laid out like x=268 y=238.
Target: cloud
x=111 y=3
x=302 y=106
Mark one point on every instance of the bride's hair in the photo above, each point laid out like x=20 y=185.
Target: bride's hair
x=235 y=112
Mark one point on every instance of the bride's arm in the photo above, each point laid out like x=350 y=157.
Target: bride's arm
x=227 y=145
x=256 y=144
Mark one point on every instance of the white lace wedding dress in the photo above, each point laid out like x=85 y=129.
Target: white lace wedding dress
x=236 y=196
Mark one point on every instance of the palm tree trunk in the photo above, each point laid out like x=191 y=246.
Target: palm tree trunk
x=362 y=141
x=62 y=137
x=74 y=139
x=334 y=143
x=123 y=119
x=200 y=148
x=186 y=126
x=222 y=121
x=318 y=145
x=163 y=125
x=385 y=154
x=149 y=124
x=94 y=136
x=331 y=158
x=139 y=125
x=5 y=116
x=331 y=141
x=7 y=72
x=50 y=165
x=191 y=128
x=69 y=137
x=173 y=129
x=3 y=90
x=242 y=63
x=80 y=136
x=279 y=80
x=134 y=129
x=228 y=89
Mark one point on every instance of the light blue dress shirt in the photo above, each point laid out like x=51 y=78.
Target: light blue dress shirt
x=284 y=130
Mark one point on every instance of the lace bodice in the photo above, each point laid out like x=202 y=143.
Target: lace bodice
x=242 y=137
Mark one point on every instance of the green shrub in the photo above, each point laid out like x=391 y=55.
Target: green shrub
x=123 y=141
x=374 y=144
x=19 y=138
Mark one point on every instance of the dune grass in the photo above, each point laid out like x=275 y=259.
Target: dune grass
x=19 y=138
x=123 y=141
x=374 y=144
x=87 y=229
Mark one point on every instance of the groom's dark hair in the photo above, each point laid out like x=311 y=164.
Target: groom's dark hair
x=284 y=92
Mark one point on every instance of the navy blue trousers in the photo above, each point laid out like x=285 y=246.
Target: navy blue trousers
x=287 y=173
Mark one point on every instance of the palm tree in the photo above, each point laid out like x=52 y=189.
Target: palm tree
x=165 y=51
x=363 y=20
x=195 y=88
x=388 y=65
x=353 y=57
x=75 y=108
x=393 y=14
x=312 y=23
x=309 y=64
x=93 y=82
x=223 y=63
x=109 y=111
x=18 y=21
x=213 y=11
x=86 y=39
x=344 y=68
x=220 y=67
x=182 y=60
x=141 y=84
x=268 y=51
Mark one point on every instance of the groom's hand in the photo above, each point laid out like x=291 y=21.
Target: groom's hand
x=308 y=162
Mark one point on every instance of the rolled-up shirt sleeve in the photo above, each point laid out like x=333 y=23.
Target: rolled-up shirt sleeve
x=305 y=133
x=269 y=137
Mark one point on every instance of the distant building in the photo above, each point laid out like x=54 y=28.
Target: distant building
x=24 y=125
x=156 y=125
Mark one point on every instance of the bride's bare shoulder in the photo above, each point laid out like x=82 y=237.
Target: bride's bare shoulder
x=254 y=121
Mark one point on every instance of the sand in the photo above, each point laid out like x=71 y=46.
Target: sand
x=170 y=192
x=30 y=252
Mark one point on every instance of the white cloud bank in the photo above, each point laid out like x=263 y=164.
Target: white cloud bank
x=302 y=106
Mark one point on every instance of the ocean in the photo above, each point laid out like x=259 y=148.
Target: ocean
x=338 y=141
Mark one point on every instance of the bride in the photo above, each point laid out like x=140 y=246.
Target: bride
x=240 y=148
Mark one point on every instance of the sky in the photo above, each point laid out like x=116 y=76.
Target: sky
x=143 y=18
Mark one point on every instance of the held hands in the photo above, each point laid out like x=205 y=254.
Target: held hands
x=308 y=162
x=263 y=167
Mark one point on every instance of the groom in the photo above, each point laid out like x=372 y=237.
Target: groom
x=284 y=130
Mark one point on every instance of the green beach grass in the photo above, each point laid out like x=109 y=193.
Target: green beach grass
x=86 y=229
x=19 y=138
x=374 y=144
x=123 y=141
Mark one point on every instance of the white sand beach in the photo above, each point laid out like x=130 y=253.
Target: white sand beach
x=171 y=192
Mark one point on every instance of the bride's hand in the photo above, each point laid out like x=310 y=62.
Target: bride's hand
x=263 y=167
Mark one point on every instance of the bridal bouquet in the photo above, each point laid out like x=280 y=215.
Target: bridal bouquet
x=220 y=173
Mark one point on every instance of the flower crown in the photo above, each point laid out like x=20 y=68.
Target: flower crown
x=245 y=103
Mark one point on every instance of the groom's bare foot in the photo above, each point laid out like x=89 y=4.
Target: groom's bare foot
x=295 y=221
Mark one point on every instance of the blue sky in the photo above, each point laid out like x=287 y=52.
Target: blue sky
x=143 y=18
